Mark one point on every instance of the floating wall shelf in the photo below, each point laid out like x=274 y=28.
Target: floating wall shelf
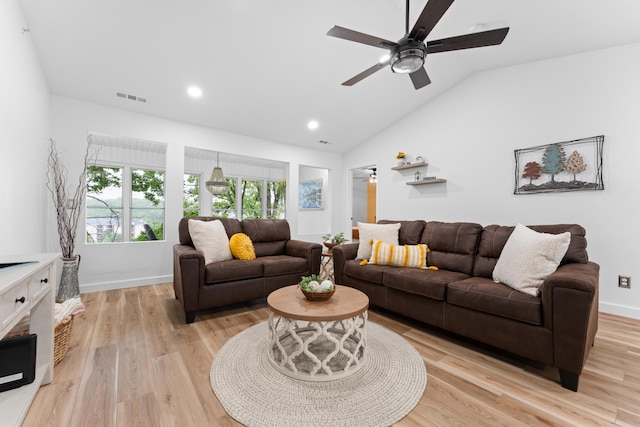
x=411 y=166
x=427 y=181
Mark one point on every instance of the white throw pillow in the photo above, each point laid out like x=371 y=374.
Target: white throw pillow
x=529 y=257
x=388 y=233
x=210 y=238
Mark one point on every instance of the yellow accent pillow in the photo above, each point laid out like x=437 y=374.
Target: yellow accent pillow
x=398 y=255
x=242 y=246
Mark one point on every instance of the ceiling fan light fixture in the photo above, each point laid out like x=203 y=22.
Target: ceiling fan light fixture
x=407 y=61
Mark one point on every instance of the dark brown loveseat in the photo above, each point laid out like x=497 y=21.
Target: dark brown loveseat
x=557 y=328
x=279 y=262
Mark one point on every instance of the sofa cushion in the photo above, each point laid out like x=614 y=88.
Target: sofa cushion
x=388 y=233
x=482 y=294
x=242 y=247
x=427 y=283
x=210 y=238
x=231 y=226
x=410 y=256
x=452 y=244
x=269 y=236
x=232 y=270
x=529 y=257
x=494 y=238
x=280 y=265
x=410 y=231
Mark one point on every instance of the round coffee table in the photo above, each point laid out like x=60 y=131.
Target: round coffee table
x=317 y=341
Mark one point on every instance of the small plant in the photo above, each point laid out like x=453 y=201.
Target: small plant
x=338 y=238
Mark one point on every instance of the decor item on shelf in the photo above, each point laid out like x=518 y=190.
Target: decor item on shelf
x=402 y=158
x=418 y=175
x=68 y=211
x=316 y=289
x=419 y=159
x=217 y=184
x=331 y=241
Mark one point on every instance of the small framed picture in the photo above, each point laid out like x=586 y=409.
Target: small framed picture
x=310 y=195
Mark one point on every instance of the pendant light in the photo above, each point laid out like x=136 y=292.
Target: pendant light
x=217 y=184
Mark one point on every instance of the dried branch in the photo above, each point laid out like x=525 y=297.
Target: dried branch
x=68 y=210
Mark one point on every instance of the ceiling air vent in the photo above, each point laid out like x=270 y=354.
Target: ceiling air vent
x=131 y=97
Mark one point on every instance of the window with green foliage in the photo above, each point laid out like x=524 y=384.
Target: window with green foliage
x=255 y=202
x=224 y=205
x=276 y=198
x=124 y=204
x=191 y=195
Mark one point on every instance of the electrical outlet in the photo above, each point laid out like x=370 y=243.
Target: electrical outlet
x=624 y=282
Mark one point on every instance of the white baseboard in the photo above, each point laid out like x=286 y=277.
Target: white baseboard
x=122 y=284
x=620 y=310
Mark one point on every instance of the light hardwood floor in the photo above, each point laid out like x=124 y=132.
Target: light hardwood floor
x=134 y=362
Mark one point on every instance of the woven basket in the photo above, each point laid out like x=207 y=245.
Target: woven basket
x=61 y=340
x=318 y=296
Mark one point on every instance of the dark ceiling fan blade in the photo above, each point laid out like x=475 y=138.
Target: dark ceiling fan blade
x=468 y=41
x=366 y=73
x=420 y=78
x=355 y=36
x=431 y=14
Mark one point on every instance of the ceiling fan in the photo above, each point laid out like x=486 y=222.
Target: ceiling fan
x=407 y=55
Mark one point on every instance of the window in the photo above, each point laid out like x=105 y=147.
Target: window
x=104 y=205
x=255 y=203
x=276 y=199
x=224 y=205
x=125 y=191
x=191 y=195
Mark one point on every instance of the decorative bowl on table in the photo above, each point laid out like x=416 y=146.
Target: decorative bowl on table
x=331 y=245
x=316 y=289
x=318 y=296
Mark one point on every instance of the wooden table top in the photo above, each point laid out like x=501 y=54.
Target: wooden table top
x=291 y=303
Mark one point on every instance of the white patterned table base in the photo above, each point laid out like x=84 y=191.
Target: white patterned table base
x=317 y=351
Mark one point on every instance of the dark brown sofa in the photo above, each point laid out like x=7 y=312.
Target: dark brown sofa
x=557 y=328
x=279 y=262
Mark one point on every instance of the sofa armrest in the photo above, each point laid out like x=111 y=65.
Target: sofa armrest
x=341 y=254
x=570 y=304
x=188 y=277
x=310 y=251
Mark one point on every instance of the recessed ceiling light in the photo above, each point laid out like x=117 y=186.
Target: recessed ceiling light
x=194 y=92
x=312 y=125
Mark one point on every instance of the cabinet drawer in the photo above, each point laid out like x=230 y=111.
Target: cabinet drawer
x=39 y=283
x=14 y=302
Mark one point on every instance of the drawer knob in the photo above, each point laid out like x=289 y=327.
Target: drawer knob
x=21 y=300
x=45 y=280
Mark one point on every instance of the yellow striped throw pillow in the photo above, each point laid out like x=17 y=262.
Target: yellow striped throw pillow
x=398 y=255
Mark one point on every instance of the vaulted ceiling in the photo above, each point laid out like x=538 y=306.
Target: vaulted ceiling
x=267 y=67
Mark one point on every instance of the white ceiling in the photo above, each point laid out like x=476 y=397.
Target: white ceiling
x=267 y=67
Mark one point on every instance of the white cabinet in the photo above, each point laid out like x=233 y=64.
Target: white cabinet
x=28 y=289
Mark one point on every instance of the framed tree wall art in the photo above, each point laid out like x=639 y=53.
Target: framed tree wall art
x=564 y=166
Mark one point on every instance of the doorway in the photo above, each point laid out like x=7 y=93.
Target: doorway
x=364 y=197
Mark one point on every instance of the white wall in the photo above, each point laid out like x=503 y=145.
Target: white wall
x=24 y=132
x=468 y=135
x=135 y=263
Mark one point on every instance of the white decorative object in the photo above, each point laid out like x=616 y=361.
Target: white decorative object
x=317 y=351
x=326 y=286
x=388 y=233
x=210 y=238
x=529 y=257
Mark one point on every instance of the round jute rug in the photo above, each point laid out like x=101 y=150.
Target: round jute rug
x=383 y=391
